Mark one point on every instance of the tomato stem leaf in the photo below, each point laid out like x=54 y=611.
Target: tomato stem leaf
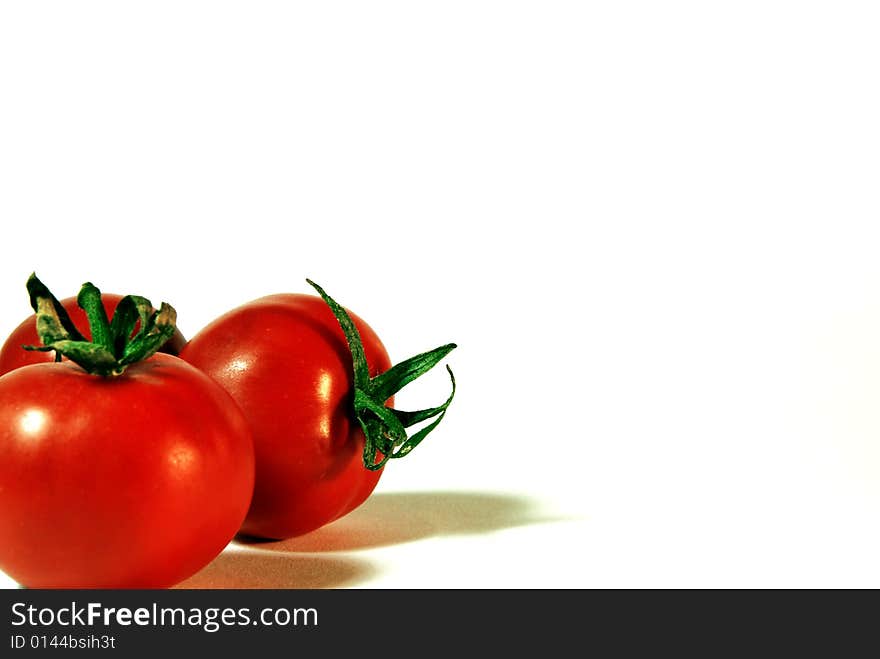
x=89 y=300
x=53 y=321
x=408 y=419
x=121 y=327
x=385 y=435
x=386 y=384
x=112 y=347
x=352 y=336
x=159 y=328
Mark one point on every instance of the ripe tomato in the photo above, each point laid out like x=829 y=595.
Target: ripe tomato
x=285 y=361
x=132 y=481
x=316 y=386
x=12 y=355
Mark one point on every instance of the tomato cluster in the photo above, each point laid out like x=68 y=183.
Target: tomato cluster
x=125 y=467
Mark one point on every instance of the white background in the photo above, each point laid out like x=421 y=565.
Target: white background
x=651 y=227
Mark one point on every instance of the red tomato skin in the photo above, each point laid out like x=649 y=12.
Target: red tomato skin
x=285 y=361
x=136 y=481
x=13 y=356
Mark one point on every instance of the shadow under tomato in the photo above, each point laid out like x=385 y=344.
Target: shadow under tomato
x=394 y=518
x=265 y=569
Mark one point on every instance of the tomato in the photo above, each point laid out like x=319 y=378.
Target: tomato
x=12 y=355
x=285 y=361
x=316 y=386
x=131 y=481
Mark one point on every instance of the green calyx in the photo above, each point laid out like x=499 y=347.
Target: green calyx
x=385 y=427
x=114 y=344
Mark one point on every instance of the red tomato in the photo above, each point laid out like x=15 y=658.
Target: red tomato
x=134 y=481
x=13 y=356
x=285 y=361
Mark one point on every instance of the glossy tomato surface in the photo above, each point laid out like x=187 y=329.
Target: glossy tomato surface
x=285 y=361
x=13 y=356
x=135 y=481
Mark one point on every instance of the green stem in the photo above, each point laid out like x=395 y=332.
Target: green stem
x=384 y=427
x=112 y=347
x=89 y=300
x=53 y=320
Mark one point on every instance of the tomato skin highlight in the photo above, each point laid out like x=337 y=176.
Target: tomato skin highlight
x=136 y=481
x=13 y=356
x=285 y=361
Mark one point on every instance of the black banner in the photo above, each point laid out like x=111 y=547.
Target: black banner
x=407 y=622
